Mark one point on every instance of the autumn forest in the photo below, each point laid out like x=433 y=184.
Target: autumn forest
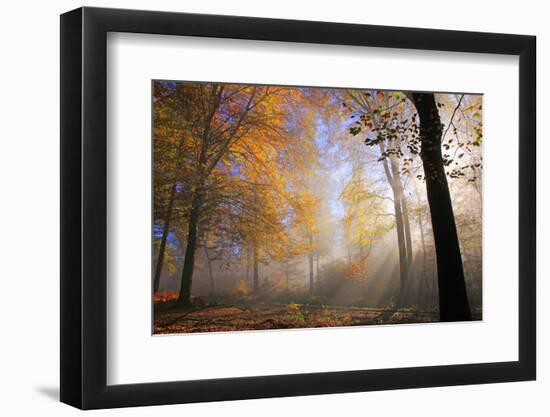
x=278 y=207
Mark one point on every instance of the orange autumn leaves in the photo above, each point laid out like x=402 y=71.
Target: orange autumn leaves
x=240 y=152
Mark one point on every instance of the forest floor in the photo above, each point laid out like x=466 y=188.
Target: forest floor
x=258 y=316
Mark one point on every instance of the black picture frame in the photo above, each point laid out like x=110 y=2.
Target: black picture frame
x=84 y=207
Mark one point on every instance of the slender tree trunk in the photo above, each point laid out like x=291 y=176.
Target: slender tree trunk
x=408 y=241
x=310 y=261
x=166 y=229
x=404 y=260
x=403 y=263
x=399 y=228
x=210 y=273
x=255 y=274
x=184 y=299
x=317 y=268
x=407 y=256
x=247 y=263
x=406 y=225
x=453 y=299
x=287 y=275
x=423 y=242
x=426 y=288
x=400 y=191
x=168 y=219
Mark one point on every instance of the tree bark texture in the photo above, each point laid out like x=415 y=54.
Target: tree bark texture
x=453 y=299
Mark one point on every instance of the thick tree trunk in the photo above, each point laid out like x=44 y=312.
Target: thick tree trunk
x=453 y=299
x=184 y=299
x=310 y=261
x=202 y=172
x=166 y=229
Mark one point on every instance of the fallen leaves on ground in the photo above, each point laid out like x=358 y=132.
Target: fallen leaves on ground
x=224 y=318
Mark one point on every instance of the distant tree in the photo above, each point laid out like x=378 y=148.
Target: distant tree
x=370 y=109
x=365 y=219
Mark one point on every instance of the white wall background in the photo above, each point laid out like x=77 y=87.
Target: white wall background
x=29 y=225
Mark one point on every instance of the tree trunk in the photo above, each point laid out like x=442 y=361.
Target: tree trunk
x=406 y=292
x=210 y=274
x=287 y=275
x=202 y=173
x=166 y=229
x=406 y=225
x=453 y=299
x=184 y=299
x=426 y=288
x=403 y=263
x=255 y=275
x=400 y=191
x=167 y=219
x=317 y=268
x=310 y=261
x=247 y=263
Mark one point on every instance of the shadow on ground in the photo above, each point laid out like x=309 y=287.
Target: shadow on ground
x=50 y=392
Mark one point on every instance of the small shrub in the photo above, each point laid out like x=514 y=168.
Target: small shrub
x=293 y=308
x=391 y=303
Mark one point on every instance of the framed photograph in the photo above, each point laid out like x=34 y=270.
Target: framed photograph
x=257 y=208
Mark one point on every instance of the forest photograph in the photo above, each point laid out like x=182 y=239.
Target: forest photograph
x=285 y=207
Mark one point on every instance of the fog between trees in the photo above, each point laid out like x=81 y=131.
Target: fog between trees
x=317 y=196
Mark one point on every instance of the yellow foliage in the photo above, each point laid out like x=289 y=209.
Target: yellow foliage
x=365 y=218
x=242 y=288
x=293 y=308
